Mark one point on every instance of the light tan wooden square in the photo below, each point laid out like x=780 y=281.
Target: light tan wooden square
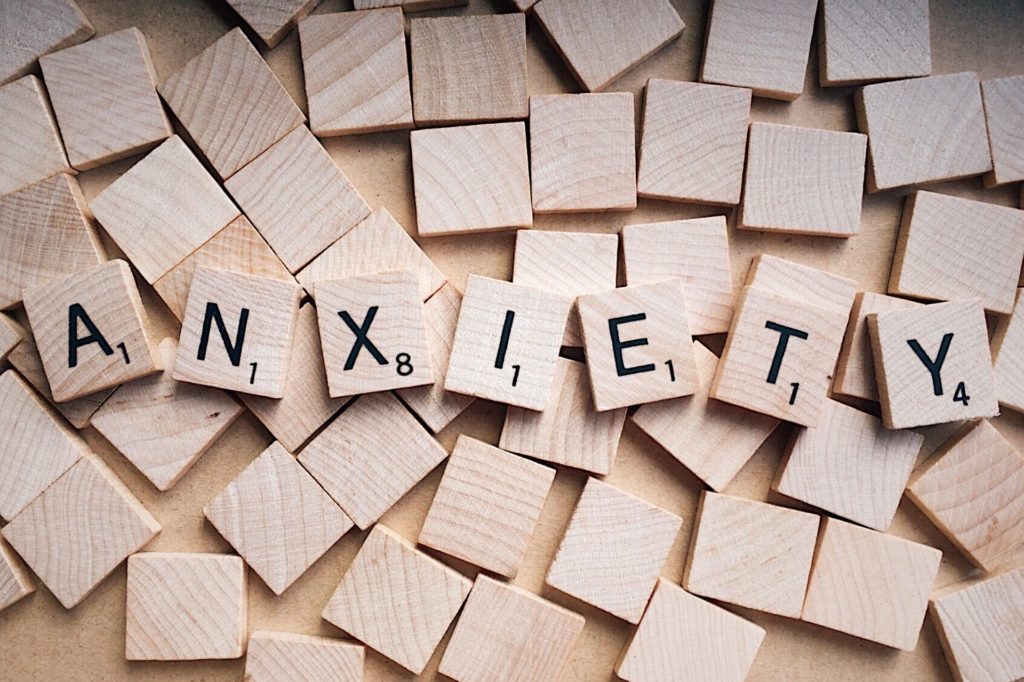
x=408 y=5
x=1008 y=358
x=11 y=334
x=33 y=149
x=15 y=581
x=287 y=657
x=31 y=29
x=873 y=40
x=272 y=21
x=802 y=282
x=1004 y=117
x=855 y=370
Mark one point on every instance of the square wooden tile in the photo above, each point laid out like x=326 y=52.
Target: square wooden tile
x=11 y=334
x=1004 y=116
x=872 y=41
x=409 y=5
x=802 y=282
x=15 y=580
x=287 y=657
x=33 y=150
x=31 y=29
x=1008 y=358
x=271 y=22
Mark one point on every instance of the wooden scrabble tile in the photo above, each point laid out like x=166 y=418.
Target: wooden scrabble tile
x=165 y=207
x=104 y=95
x=972 y=489
x=810 y=285
x=321 y=203
x=568 y=431
x=683 y=637
x=507 y=633
x=91 y=330
x=373 y=333
x=849 y=465
x=872 y=41
x=397 y=600
x=277 y=518
x=11 y=334
x=471 y=179
x=710 y=438
x=31 y=29
x=694 y=142
x=286 y=657
x=582 y=152
x=602 y=39
x=803 y=181
x=185 y=607
x=760 y=44
x=937 y=231
x=932 y=364
x=506 y=343
x=219 y=347
x=409 y=5
x=80 y=529
x=923 y=130
x=1004 y=116
x=231 y=103
x=15 y=581
x=371 y=455
x=468 y=68
x=357 y=76
x=779 y=356
x=486 y=507
x=870 y=585
x=163 y=426
x=637 y=341
x=613 y=550
x=695 y=251
x=272 y=21
x=1008 y=358
x=33 y=148
x=46 y=234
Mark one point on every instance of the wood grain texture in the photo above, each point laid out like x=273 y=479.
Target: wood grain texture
x=855 y=370
x=11 y=334
x=185 y=607
x=794 y=280
x=15 y=581
x=29 y=30
x=1004 y=117
x=397 y=600
x=1008 y=358
x=408 y=5
x=277 y=518
x=287 y=657
x=272 y=20
x=870 y=41
x=613 y=550
x=33 y=147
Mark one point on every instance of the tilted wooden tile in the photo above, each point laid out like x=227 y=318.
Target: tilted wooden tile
x=31 y=29
x=1004 y=116
x=849 y=465
x=507 y=633
x=468 y=68
x=185 y=607
x=802 y=282
x=471 y=179
x=582 y=152
x=320 y=205
x=371 y=455
x=932 y=364
x=1008 y=358
x=11 y=334
x=506 y=343
x=871 y=41
x=357 y=76
x=855 y=371
x=602 y=39
x=231 y=103
x=238 y=332
x=287 y=657
x=104 y=95
x=165 y=207
x=272 y=21
x=277 y=518
x=33 y=150
x=397 y=600
x=870 y=585
x=487 y=506
x=409 y=5
x=163 y=426
x=15 y=581
x=80 y=529
x=683 y=637
x=803 y=181
x=613 y=550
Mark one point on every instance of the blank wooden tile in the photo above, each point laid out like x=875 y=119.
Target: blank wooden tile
x=80 y=529
x=506 y=343
x=1008 y=358
x=915 y=392
x=104 y=95
x=710 y=438
x=357 y=76
x=231 y=103
x=11 y=334
x=937 y=231
x=33 y=150
x=468 y=68
x=759 y=44
x=808 y=284
x=874 y=40
x=487 y=506
x=31 y=29
x=15 y=581
x=91 y=330
x=849 y=465
x=408 y=5
x=397 y=600
x=582 y=152
x=694 y=142
x=803 y=181
x=163 y=426
x=298 y=198
x=277 y=518
x=371 y=455
x=855 y=371
x=1004 y=116
x=683 y=637
x=287 y=657
x=613 y=550
x=870 y=585
x=272 y=21
x=602 y=39
x=165 y=207
x=923 y=130
x=238 y=332
x=507 y=633
x=471 y=179
x=185 y=607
